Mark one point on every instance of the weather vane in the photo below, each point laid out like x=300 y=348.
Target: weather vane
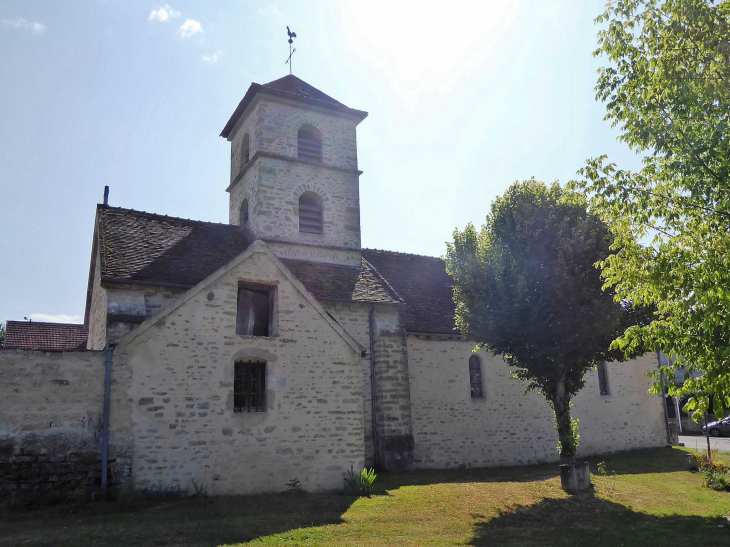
x=292 y=35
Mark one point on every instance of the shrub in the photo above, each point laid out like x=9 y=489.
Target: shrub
x=361 y=485
x=702 y=462
x=717 y=479
x=200 y=490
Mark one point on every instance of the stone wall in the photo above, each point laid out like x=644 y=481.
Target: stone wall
x=50 y=425
x=509 y=427
x=182 y=367
x=97 y=311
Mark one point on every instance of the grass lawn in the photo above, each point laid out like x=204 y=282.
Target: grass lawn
x=652 y=499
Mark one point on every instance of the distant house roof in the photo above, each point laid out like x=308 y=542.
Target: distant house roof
x=45 y=336
x=140 y=247
x=293 y=88
x=423 y=284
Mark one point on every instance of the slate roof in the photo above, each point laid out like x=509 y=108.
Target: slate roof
x=339 y=282
x=45 y=336
x=149 y=248
x=136 y=246
x=293 y=88
x=423 y=284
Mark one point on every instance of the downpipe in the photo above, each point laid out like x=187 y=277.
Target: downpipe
x=108 y=351
x=373 y=402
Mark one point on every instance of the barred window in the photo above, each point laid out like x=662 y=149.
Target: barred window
x=475 y=377
x=602 y=379
x=245 y=151
x=254 y=314
x=249 y=387
x=309 y=141
x=310 y=213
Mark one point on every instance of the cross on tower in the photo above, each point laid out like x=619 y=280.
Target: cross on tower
x=292 y=35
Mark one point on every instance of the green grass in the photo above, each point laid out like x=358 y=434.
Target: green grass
x=649 y=497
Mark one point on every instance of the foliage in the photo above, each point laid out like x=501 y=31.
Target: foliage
x=361 y=484
x=2 y=334
x=573 y=437
x=526 y=288
x=717 y=479
x=200 y=490
x=705 y=462
x=667 y=86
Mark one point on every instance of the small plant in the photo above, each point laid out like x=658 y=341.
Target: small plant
x=200 y=490
x=702 y=462
x=294 y=485
x=716 y=479
x=361 y=484
x=601 y=469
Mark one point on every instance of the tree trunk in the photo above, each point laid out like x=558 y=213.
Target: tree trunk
x=707 y=435
x=561 y=407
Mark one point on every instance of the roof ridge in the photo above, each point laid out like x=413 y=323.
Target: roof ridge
x=168 y=217
x=44 y=323
x=398 y=253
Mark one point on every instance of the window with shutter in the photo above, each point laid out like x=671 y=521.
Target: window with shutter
x=254 y=314
x=310 y=213
x=245 y=151
x=309 y=143
x=602 y=379
x=475 y=377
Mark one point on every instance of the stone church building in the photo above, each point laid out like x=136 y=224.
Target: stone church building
x=276 y=347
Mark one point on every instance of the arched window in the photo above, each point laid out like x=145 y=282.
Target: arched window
x=245 y=151
x=475 y=377
x=243 y=213
x=310 y=213
x=310 y=143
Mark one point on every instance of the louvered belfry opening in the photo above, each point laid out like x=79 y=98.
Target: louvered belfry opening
x=310 y=143
x=310 y=213
x=243 y=213
x=245 y=151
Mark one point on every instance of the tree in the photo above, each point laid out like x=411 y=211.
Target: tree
x=667 y=86
x=2 y=335
x=526 y=288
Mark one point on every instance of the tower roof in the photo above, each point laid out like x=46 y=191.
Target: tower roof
x=293 y=88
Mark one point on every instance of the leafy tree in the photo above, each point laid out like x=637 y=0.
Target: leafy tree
x=526 y=288
x=2 y=335
x=667 y=86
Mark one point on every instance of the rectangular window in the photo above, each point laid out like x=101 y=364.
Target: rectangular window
x=249 y=387
x=602 y=380
x=254 y=311
x=475 y=377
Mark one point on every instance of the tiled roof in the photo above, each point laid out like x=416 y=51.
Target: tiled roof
x=293 y=88
x=338 y=282
x=45 y=336
x=423 y=284
x=139 y=246
x=143 y=247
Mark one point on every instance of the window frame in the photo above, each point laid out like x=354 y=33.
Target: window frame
x=604 y=389
x=246 y=375
x=245 y=151
x=244 y=208
x=479 y=381
x=257 y=288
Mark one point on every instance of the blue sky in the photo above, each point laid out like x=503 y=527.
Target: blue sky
x=464 y=99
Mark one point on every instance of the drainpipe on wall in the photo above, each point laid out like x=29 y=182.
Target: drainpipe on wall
x=108 y=351
x=374 y=405
x=664 y=400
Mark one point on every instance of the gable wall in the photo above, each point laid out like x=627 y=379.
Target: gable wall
x=97 y=311
x=182 y=395
x=509 y=427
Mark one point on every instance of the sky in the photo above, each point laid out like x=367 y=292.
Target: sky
x=464 y=98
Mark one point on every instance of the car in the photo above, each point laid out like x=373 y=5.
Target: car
x=719 y=428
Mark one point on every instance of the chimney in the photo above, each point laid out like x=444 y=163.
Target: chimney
x=106 y=195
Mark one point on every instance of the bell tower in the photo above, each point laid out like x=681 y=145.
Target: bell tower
x=294 y=174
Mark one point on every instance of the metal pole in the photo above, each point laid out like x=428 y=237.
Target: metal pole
x=108 y=351
x=676 y=413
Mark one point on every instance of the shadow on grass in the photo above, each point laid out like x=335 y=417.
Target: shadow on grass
x=587 y=520
x=653 y=460
x=191 y=522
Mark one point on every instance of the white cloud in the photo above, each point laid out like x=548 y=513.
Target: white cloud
x=212 y=58
x=58 y=318
x=189 y=28
x=163 y=14
x=20 y=23
x=272 y=12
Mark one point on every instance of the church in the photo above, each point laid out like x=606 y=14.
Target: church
x=275 y=347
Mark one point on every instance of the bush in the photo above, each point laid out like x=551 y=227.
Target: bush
x=717 y=479
x=361 y=485
x=702 y=462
